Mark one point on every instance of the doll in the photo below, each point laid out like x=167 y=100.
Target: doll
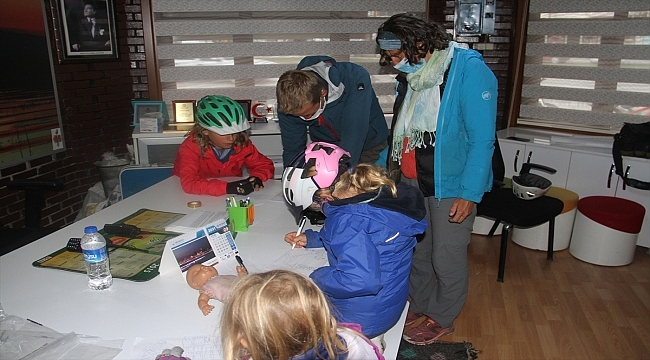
x=210 y=284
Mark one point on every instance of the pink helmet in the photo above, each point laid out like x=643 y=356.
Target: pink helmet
x=327 y=159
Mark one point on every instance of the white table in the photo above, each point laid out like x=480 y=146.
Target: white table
x=164 y=307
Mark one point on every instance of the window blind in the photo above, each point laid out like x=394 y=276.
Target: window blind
x=240 y=48
x=586 y=65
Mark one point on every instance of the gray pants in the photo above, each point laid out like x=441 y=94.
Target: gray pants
x=439 y=277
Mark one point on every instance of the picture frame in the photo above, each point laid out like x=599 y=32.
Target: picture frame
x=87 y=29
x=246 y=106
x=184 y=110
x=142 y=107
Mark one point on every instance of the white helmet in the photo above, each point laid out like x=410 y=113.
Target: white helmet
x=327 y=159
x=529 y=186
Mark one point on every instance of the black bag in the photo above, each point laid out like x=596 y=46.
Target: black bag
x=632 y=140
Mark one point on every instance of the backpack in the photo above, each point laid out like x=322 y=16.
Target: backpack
x=632 y=140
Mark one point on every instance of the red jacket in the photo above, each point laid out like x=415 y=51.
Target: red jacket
x=198 y=173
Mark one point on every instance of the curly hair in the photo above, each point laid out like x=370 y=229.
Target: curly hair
x=365 y=178
x=204 y=143
x=418 y=36
x=279 y=314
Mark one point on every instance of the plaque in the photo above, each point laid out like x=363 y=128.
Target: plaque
x=184 y=111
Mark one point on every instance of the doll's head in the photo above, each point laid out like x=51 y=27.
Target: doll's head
x=197 y=275
x=277 y=315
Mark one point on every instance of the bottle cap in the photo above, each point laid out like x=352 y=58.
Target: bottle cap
x=90 y=229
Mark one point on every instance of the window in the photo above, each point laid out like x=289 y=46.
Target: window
x=587 y=65
x=240 y=48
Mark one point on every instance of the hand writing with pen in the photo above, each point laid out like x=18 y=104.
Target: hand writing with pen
x=297 y=238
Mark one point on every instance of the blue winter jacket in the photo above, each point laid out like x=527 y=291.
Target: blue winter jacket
x=369 y=240
x=465 y=132
x=354 y=121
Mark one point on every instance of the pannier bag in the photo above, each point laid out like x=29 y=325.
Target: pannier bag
x=632 y=140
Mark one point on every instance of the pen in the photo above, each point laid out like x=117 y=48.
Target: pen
x=301 y=225
x=240 y=261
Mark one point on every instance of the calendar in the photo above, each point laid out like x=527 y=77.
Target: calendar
x=210 y=245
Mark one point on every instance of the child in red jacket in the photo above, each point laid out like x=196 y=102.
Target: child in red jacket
x=218 y=146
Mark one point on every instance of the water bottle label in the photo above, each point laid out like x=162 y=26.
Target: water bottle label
x=95 y=256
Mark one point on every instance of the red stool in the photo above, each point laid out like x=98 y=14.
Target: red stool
x=606 y=230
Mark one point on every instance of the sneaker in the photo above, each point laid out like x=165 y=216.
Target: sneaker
x=427 y=332
x=412 y=317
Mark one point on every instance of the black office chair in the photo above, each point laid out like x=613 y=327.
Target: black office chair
x=13 y=238
x=505 y=207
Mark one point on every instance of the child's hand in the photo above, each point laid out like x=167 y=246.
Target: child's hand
x=241 y=271
x=299 y=241
x=257 y=183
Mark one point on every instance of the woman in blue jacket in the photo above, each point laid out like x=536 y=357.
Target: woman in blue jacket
x=336 y=101
x=443 y=139
x=369 y=235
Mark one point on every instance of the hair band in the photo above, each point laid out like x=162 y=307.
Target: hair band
x=388 y=41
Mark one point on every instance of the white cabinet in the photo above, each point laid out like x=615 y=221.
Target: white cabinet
x=584 y=165
x=516 y=153
x=161 y=148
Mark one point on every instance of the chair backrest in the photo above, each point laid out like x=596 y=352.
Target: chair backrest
x=498 y=166
x=134 y=179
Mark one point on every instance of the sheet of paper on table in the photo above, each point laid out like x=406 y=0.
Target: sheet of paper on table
x=194 y=220
x=302 y=261
x=195 y=347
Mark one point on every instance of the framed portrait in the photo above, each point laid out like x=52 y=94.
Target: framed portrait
x=246 y=106
x=184 y=110
x=143 y=107
x=87 y=29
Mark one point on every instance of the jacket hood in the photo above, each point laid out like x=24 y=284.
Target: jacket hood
x=408 y=203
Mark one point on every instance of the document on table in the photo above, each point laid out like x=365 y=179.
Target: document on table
x=195 y=347
x=303 y=261
x=194 y=220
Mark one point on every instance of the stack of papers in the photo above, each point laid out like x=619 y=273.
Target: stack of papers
x=194 y=220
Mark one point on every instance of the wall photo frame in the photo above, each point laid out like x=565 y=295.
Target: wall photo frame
x=87 y=29
x=149 y=106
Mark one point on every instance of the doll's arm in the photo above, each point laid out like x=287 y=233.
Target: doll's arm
x=203 y=304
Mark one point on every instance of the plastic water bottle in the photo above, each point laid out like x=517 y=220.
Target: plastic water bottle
x=93 y=246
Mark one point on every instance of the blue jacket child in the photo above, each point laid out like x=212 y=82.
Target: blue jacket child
x=369 y=239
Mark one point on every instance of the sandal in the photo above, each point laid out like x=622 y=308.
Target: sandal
x=426 y=332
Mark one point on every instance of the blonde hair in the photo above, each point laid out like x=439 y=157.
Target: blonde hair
x=204 y=142
x=365 y=178
x=279 y=314
x=297 y=89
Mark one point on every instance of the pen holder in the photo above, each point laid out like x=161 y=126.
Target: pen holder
x=240 y=217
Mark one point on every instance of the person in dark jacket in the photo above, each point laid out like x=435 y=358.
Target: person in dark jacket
x=369 y=235
x=443 y=140
x=336 y=101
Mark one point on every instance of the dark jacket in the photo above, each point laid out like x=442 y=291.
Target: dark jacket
x=369 y=240
x=354 y=121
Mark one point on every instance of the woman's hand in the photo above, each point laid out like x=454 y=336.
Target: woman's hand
x=299 y=241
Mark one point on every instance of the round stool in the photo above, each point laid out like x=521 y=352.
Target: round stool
x=536 y=237
x=606 y=230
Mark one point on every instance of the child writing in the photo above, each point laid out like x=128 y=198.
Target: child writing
x=283 y=315
x=218 y=146
x=369 y=234
x=210 y=284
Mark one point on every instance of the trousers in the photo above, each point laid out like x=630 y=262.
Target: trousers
x=439 y=279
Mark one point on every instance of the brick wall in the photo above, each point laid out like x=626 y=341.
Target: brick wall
x=499 y=57
x=95 y=100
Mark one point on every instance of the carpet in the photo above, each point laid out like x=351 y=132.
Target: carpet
x=439 y=350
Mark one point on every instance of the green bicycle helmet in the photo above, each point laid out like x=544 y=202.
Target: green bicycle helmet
x=221 y=115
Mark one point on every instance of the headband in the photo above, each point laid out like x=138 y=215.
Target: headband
x=388 y=41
